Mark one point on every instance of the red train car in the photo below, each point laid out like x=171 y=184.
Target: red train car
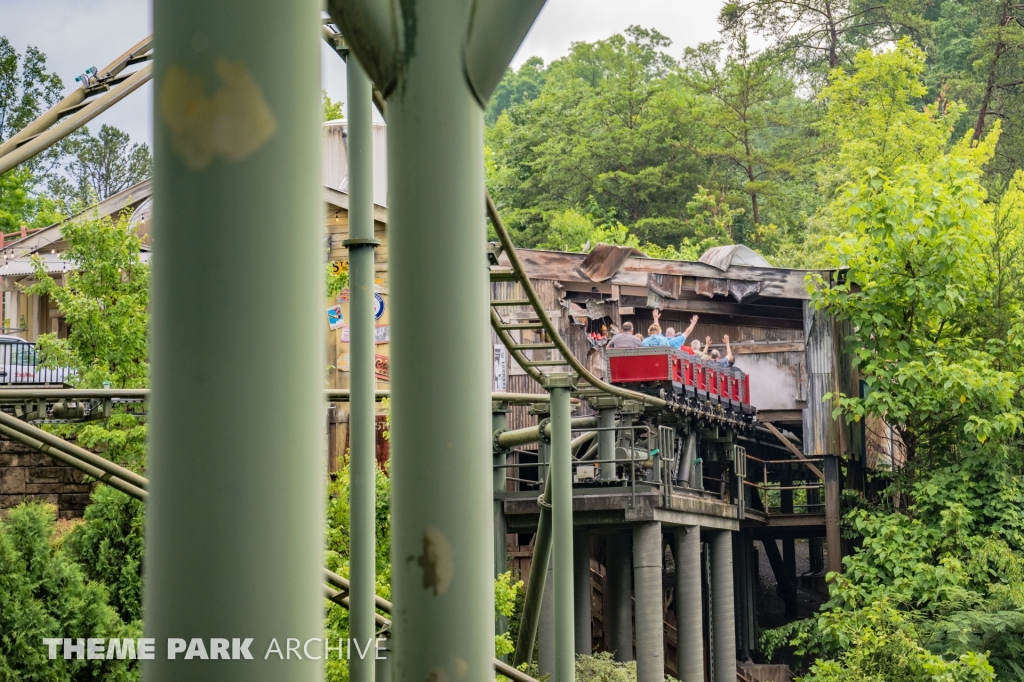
x=657 y=368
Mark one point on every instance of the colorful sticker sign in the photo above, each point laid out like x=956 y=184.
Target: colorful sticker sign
x=382 y=367
x=381 y=334
x=335 y=320
x=378 y=306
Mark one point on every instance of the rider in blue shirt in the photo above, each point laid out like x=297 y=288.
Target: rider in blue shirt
x=678 y=340
x=655 y=337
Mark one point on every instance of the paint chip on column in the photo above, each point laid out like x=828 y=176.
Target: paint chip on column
x=232 y=124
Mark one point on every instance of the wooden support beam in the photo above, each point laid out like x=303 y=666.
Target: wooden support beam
x=792 y=448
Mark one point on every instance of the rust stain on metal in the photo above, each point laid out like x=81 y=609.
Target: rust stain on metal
x=437 y=561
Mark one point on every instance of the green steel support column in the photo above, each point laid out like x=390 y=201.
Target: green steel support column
x=606 y=444
x=237 y=147
x=689 y=614
x=499 y=412
x=537 y=591
x=546 y=626
x=560 y=386
x=436 y=65
x=647 y=570
x=723 y=613
x=362 y=423
x=584 y=633
x=620 y=596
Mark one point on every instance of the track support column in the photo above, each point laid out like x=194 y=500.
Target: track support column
x=538 y=590
x=606 y=443
x=620 y=596
x=560 y=386
x=581 y=547
x=546 y=627
x=237 y=117
x=499 y=412
x=647 y=567
x=362 y=423
x=723 y=608
x=689 y=614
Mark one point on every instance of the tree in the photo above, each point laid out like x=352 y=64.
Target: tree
x=45 y=594
x=976 y=57
x=823 y=34
x=333 y=109
x=758 y=133
x=102 y=166
x=109 y=548
x=104 y=301
x=26 y=90
x=930 y=293
x=516 y=87
x=607 y=135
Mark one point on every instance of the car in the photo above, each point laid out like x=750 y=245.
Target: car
x=19 y=364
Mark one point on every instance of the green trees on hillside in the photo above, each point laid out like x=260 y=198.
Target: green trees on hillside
x=930 y=248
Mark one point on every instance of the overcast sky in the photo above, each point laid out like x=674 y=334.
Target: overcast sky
x=77 y=34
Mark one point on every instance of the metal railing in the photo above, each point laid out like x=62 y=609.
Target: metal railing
x=20 y=365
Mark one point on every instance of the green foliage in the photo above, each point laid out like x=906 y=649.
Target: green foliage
x=571 y=230
x=606 y=136
x=506 y=593
x=21 y=205
x=333 y=109
x=26 y=90
x=823 y=34
x=911 y=295
x=100 y=166
x=880 y=646
x=872 y=118
x=104 y=301
x=930 y=296
x=516 y=87
x=44 y=593
x=756 y=131
x=109 y=548
x=601 y=667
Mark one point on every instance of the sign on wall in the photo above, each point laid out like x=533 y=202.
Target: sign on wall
x=335 y=320
x=500 y=368
x=382 y=367
x=378 y=306
x=381 y=333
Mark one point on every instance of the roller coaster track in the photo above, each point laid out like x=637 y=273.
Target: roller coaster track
x=109 y=86
x=517 y=273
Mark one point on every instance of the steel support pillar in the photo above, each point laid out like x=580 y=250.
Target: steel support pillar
x=499 y=412
x=581 y=551
x=689 y=614
x=833 y=538
x=538 y=590
x=237 y=169
x=546 y=627
x=436 y=64
x=620 y=596
x=362 y=422
x=560 y=387
x=723 y=609
x=647 y=567
x=606 y=444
